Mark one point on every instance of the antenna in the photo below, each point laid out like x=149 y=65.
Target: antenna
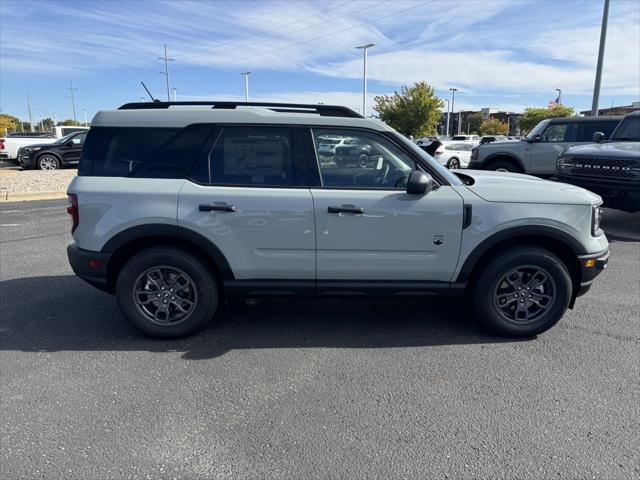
x=145 y=87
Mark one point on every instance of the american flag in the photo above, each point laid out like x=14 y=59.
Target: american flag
x=554 y=103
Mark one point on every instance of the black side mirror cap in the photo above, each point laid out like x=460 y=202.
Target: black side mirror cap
x=598 y=137
x=420 y=183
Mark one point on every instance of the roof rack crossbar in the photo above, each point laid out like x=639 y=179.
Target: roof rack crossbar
x=320 y=109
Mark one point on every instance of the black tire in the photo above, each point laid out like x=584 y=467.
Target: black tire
x=48 y=161
x=453 y=163
x=503 y=166
x=363 y=160
x=202 y=292
x=490 y=287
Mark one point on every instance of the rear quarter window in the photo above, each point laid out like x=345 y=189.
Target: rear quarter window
x=142 y=152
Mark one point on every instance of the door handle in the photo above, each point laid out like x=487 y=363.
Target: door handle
x=346 y=209
x=218 y=207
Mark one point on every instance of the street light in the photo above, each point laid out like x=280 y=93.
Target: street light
x=246 y=85
x=559 y=90
x=603 y=37
x=448 y=105
x=453 y=104
x=364 y=49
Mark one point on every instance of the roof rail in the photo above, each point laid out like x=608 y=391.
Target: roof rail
x=320 y=109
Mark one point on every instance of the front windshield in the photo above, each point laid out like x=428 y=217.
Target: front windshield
x=537 y=130
x=441 y=169
x=629 y=129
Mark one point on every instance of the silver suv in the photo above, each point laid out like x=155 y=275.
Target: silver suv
x=537 y=153
x=179 y=206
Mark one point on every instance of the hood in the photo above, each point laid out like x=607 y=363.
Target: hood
x=610 y=150
x=519 y=188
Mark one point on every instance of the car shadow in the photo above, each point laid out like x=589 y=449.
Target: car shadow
x=621 y=226
x=61 y=313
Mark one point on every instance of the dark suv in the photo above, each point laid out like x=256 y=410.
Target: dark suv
x=609 y=168
x=52 y=156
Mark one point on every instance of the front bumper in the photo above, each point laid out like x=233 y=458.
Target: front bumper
x=25 y=159
x=615 y=194
x=90 y=266
x=591 y=266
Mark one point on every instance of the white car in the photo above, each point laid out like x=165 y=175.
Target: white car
x=475 y=139
x=454 y=154
x=175 y=210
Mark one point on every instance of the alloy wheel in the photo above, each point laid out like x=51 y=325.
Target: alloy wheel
x=48 y=162
x=524 y=294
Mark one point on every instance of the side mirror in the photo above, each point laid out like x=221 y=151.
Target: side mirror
x=537 y=138
x=420 y=183
x=598 y=137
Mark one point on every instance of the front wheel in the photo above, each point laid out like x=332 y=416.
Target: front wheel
x=503 y=166
x=522 y=292
x=48 y=162
x=167 y=292
x=453 y=164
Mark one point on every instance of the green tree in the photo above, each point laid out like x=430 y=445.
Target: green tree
x=413 y=112
x=47 y=123
x=533 y=116
x=474 y=120
x=493 y=126
x=69 y=123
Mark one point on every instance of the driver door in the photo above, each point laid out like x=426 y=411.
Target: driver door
x=371 y=234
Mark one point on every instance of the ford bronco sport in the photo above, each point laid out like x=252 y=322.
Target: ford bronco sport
x=179 y=206
x=538 y=152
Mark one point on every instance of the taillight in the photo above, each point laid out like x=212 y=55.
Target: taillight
x=1 y=143
x=72 y=209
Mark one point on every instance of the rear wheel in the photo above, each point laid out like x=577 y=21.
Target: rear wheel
x=48 y=162
x=453 y=163
x=522 y=292
x=166 y=292
x=503 y=166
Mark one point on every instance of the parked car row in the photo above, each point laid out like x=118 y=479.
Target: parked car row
x=10 y=145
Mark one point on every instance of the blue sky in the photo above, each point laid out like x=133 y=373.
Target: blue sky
x=506 y=54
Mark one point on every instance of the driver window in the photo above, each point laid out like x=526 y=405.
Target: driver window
x=357 y=159
x=558 y=132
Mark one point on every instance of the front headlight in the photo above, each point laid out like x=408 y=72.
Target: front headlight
x=596 y=218
x=35 y=149
x=565 y=162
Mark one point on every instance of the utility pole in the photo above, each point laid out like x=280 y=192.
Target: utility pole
x=603 y=37
x=166 y=69
x=448 y=105
x=174 y=90
x=54 y=119
x=453 y=104
x=364 y=49
x=41 y=125
x=30 y=116
x=73 y=101
x=246 y=85
x=84 y=111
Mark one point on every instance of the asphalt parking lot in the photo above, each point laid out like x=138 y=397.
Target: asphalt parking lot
x=309 y=388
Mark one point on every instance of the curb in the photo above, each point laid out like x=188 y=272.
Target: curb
x=26 y=197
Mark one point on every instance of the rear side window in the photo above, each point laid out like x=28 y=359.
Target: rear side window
x=142 y=152
x=606 y=127
x=252 y=156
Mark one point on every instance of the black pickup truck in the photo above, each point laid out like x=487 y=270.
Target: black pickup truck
x=609 y=168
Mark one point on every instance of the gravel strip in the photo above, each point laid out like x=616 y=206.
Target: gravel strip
x=33 y=181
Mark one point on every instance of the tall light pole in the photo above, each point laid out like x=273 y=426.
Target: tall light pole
x=603 y=37
x=73 y=101
x=364 y=49
x=246 y=85
x=174 y=90
x=30 y=116
x=166 y=61
x=448 y=105
x=559 y=90
x=84 y=112
x=453 y=104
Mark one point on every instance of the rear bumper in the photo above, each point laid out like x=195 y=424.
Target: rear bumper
x=90 y=266
x=591 y=266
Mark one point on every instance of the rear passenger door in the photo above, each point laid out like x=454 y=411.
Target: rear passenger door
x=73 y=149
x=248 y=195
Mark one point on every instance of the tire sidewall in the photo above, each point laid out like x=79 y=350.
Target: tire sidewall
x=487 y=281
x=58 y=163
x=201 y=276
x=503 y=166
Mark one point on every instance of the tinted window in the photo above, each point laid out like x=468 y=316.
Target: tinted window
x=142 y=152
x=368 y=160
x=629 y=129
x=603 y=126
x=561 y=132
x=252 y=156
